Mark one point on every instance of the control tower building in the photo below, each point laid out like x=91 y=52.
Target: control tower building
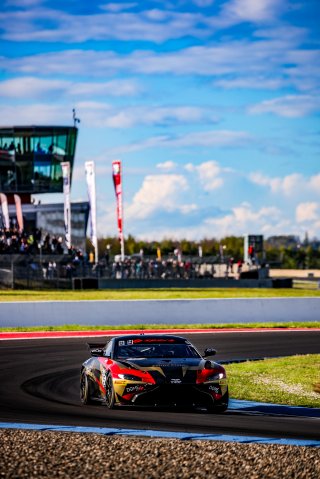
x=30 y=164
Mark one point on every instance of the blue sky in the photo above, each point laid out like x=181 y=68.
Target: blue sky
x=212 y=106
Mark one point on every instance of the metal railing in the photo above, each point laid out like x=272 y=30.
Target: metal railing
x=54 y=271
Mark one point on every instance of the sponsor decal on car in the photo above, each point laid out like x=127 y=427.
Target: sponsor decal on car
x=103 y=378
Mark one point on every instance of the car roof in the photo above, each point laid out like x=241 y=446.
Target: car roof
x=148 y=337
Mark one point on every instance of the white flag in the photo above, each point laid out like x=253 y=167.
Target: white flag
x=67 y=205
x=91 y=185
x=5 y=210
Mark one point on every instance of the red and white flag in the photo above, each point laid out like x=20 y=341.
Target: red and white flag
x=117 y=181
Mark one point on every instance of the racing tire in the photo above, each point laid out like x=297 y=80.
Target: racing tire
x=85 y=397
x=221 y=406
x=110 y=394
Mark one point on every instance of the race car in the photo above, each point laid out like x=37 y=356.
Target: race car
x=153 y=370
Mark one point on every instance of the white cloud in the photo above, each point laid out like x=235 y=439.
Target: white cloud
x=289 y=185
x=209 y=174
x=32 y=87
x=236 y=63
x=117 y=22
x=100 y=115
x=273 y=56
x=158 y=192
x=24 y=3
x=244 y=218
x=314 y=182
x=118 y=7
x=253 y=81
x=188 y=208
x=256 y=11
x=153 y=25
x=212 y=138
x=105 y=116
x=307 y=212
x=167 y=165
x=241 y=220
x=203 y=3
x=59 y=114
x=289 y=106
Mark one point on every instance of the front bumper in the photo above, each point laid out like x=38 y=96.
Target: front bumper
x=168 y=395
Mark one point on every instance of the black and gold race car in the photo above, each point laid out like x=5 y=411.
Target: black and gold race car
x=153 y=370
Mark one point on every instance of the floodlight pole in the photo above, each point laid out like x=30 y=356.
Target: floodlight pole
x=122 y=246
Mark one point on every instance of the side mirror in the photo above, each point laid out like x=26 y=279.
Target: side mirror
x=209 y=352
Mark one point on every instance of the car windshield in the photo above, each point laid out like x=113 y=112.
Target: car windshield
x=156 y=351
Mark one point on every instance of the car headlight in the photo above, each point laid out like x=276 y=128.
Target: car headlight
x=215 y=377
x=129 y=377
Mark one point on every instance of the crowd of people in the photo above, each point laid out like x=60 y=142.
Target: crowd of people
x=14 y=241
x=140 y=268
x=79 y=264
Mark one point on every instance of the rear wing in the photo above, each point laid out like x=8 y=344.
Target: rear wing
x=96 y=349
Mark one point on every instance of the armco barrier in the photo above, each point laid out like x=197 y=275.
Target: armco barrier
x=117 y=313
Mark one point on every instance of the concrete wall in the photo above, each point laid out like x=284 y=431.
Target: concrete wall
x=295 y=273
x=157 y=312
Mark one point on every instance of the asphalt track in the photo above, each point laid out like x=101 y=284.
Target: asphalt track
x=40 y=384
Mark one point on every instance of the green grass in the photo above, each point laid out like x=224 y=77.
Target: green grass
x=172 y=293
x=77 y=327
x=305 y=284
x=293 y=380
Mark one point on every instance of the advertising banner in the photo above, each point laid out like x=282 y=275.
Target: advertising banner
x=67 y=205
x=17 y=201
x=91 y=185
x=117 y=181
x=5 y=211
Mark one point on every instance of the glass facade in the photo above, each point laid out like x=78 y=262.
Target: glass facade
x=31 y=157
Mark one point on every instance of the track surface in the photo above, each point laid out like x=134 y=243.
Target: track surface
x=40 y=384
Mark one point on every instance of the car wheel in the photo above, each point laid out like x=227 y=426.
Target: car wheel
x=110 y=394
x=85 y=389
x=220 y=406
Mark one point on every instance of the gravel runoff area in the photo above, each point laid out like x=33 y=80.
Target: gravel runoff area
x=48 y=454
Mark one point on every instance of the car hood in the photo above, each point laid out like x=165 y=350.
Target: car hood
x=168 y=370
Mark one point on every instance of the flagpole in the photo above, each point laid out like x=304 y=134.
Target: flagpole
x=67 y=204
x=122 y=247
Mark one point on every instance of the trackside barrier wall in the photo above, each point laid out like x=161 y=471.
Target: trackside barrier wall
x=210 y=311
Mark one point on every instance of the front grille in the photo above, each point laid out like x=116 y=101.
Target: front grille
x=173 y=394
